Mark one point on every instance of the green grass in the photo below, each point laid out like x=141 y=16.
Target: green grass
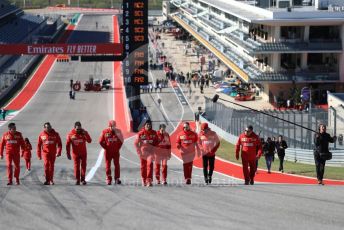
x=227 y=152
x=153 y=4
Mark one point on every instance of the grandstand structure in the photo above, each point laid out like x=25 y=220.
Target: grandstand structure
x=19 y=27
x=276 y=45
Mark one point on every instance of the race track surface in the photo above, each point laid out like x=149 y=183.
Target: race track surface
x=226 y=204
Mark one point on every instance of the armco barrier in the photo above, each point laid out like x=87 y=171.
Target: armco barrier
x=294 y=155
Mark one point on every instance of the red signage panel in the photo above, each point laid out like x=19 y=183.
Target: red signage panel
x=71 y=49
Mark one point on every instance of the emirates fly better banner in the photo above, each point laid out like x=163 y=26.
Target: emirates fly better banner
x=72 y=49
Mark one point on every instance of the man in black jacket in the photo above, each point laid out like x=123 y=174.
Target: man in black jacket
x=269 y=151
x=321 y=151
x=281 y=145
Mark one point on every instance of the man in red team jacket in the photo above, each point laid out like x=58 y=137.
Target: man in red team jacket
x=162 y=154
x=13 y=141
x=251 y=150
x=145 y=144
x=187 y=145
x=49 y=142
x=111 y=141
x=77 y=138
x=208 y=142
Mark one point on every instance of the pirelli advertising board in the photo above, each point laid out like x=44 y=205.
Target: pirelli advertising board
x=135 y=42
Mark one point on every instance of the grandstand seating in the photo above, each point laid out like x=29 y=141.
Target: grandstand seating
x=6 y=8
x=213 y=22
x=218 y=45
x=204 y=34
x=17 y=29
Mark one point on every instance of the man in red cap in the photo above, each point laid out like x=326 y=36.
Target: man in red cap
x=187 y=145
x=77 y=138
x=49 y=142
x=145 y=144
x=163 y=154
x=251 y=150
x=13 y=141
x=208 y=142
x=111 y=141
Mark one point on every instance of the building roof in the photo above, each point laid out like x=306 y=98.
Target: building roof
x=254 y=14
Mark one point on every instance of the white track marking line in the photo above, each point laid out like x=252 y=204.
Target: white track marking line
x=94 y=169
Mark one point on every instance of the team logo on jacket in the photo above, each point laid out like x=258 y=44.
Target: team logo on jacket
x=49 y=142
x=203 y=138
x=187 y=141
x=43 y=138
x=107 y=135
x=182 y=137
x=8 y=137
x=12 y=142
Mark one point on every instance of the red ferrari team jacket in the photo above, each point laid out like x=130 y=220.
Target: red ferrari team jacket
x=12 y=142
x=208 y=143
x=78 y=142
x=187 y=144
x=164 y=145
x=111 y=141
x=251 y=146
x=146 y=142
x=49 y=142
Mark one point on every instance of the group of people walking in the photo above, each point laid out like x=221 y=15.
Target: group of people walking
x=153 y=148
x=49 y=147
x=272 y=146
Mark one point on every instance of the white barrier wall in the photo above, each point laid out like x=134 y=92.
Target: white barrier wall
x=294 y=155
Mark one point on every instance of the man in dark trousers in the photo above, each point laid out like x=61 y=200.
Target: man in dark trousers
x=281 y=146
x=208 y=142
x=321 y=151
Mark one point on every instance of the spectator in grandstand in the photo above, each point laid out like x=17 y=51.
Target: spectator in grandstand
x=321 y=151
x=281 y=146
x=251 y=149
x=269 y=151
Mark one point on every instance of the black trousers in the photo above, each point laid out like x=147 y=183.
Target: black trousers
x=281 y=159
x=208 y=161
x=319 y=166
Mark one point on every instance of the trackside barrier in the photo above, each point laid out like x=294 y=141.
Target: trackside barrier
x=292 y=154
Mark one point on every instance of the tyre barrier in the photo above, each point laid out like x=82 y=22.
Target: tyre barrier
x=77 y=86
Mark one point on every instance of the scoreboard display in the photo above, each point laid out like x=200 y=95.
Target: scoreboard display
x=135 y=42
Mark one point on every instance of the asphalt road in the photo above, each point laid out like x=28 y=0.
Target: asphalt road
x=227 y=204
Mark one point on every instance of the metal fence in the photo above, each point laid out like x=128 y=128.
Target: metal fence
x=234 y=121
